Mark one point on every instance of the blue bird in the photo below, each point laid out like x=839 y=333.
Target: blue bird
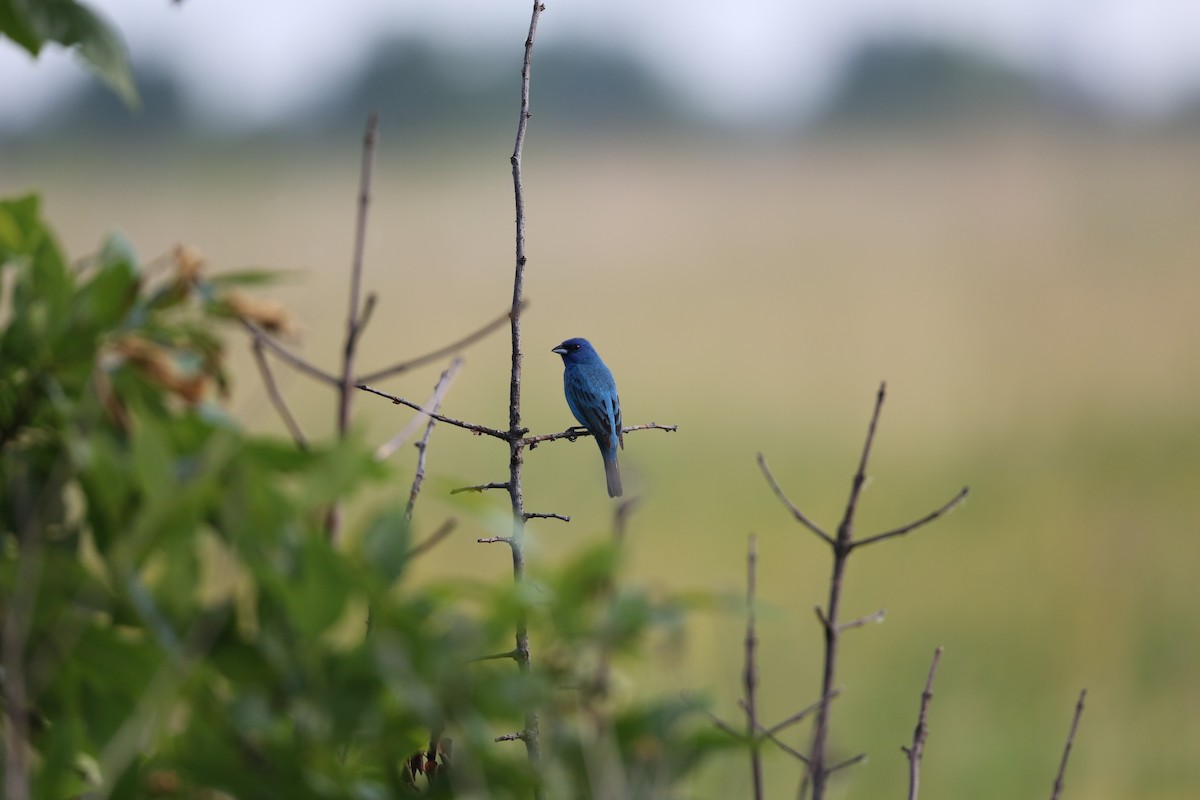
x=592 y=395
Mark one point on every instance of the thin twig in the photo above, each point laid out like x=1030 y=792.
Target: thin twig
x=497 y=656
x=458 y=423
x=783 y=498
x=354 y=313
x=1062 y=765
x=495 y=540
x=849 y=762
x=365 y=317
x=434 y=539
x=764 y=733
x=571 y=434
x=861 y=621
x=750 y=670
x=435 y=355
x=925 y=520
x=512 y=737
x=385 y=450
x=423 y=445
x=298 y=363
x=921 y=732
x=482 y=487
x=540 y=515
x=277 y=398
x=800 y=715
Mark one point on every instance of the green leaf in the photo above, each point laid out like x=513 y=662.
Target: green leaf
x=33 y=23
x=105 y=300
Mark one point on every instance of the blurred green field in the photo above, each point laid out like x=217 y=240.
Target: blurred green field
x=1030 y=298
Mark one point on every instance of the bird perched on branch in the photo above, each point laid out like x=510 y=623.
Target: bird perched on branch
x=592 y=395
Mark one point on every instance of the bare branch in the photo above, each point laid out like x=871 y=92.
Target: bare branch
x=539 y=515
x=431 y=405
x=800 y=715
x=782 y=745
x=435 y=355
x=423 y=445
x=353 y=313
x=921 y=732
x=365 y=317
x=482 y=487
x=571 y=434
x=860 y=475
x=821 y=619
x=434 y=539
x=1062 y=765
x=512 y=737
x=458 y=423
x=796 y=512
x=861 y=621
x=925 y=520
x=287 y=356
x=750 y=669
x=495 y=540
x=277 y=399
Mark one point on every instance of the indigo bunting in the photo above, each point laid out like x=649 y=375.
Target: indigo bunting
x=592 y=395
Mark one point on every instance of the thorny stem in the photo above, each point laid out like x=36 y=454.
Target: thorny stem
x=530 y=735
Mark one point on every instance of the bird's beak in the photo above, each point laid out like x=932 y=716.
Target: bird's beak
x=562 y=351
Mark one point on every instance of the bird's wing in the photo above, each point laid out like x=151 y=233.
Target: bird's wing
x=590 y=407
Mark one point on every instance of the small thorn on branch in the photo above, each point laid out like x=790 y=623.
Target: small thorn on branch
x=821 y=618
x=497 y=656
x=482 y=487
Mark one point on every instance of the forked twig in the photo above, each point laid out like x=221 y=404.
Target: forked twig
x=842 y=545
x=277 y=399
x=921 y=732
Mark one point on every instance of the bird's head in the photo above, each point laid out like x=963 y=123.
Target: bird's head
x=575 y=351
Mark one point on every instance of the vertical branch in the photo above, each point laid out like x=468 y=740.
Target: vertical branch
x=423 y=445
x=355 y=315
x=921 y=732
x=1062 y=765
x=750 y=675
x=842 y=545
x=515 y=431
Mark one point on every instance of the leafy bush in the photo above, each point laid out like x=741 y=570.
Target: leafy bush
x=176 y=619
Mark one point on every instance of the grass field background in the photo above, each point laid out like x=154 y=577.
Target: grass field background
x=1030 y=297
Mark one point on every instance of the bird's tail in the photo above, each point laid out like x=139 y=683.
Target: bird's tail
x=613 y=473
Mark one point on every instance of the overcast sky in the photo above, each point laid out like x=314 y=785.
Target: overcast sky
x=249 y=61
